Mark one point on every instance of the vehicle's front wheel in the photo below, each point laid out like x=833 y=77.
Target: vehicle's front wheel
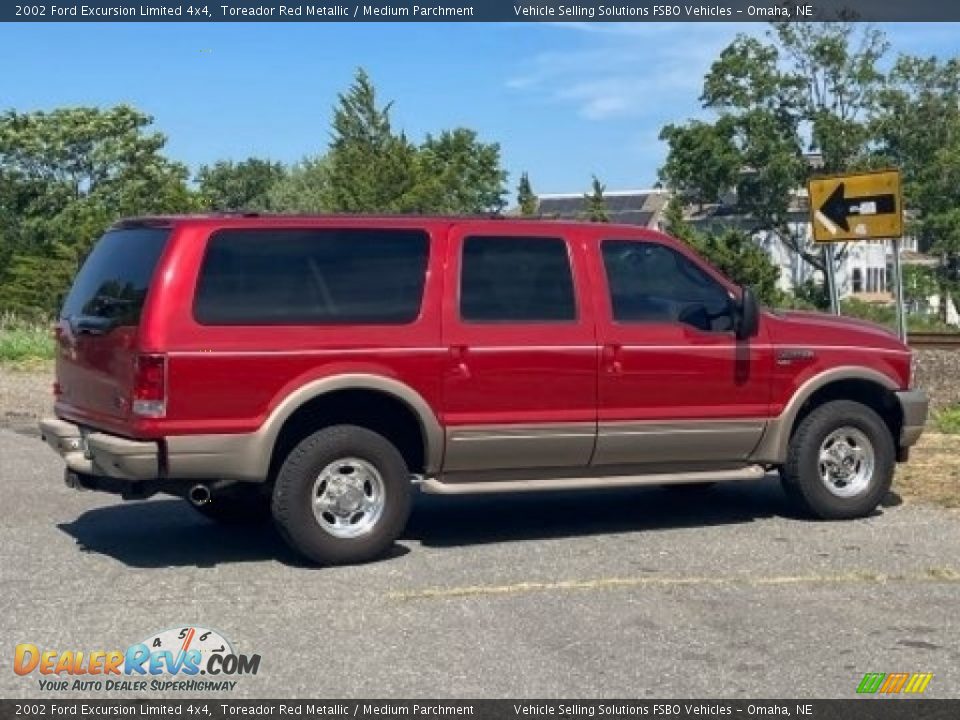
x=342 y=495
x=840 y=461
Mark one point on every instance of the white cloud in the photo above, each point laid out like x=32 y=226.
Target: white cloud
x=625 y=69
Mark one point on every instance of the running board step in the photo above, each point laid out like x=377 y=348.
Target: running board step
x=438 y=487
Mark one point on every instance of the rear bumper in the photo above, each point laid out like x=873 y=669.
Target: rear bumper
x=92 y=453
x=914 y=405
x=100 y=454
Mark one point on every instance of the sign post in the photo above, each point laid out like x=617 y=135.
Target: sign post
x=898 y=292
x=861 y=206
x=830 y=261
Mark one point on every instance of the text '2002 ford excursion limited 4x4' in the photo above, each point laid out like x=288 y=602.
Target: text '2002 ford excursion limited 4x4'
x=318 y=367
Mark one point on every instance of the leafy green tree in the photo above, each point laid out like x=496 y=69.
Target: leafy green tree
x=806 y=87
x=303 y=188
x=919 y=284
x=595 y=203
x=733 y=252
x=527 y=200
x=67 y=175
x=917 y=125
x=83 y=152
x=35 y=285
x=371 y=169
x=704 y=161
x=463 y=175
x=244 y=185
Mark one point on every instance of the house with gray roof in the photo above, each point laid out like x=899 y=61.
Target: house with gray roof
x=629 y=207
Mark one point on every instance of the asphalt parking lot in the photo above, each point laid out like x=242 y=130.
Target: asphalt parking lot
x=629 y=593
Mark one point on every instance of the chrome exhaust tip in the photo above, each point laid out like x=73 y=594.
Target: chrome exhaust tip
x=199 y=495
x=72 y=480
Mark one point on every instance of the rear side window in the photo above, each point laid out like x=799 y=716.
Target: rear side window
x=306 y=277
x=113 y=282
x=516 y=279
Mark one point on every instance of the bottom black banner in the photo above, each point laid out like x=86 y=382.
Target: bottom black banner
x=865 y=709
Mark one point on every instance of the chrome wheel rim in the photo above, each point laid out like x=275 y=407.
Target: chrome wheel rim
x=348 y=497
x=846 y=462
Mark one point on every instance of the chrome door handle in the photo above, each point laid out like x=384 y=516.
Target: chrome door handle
x=611 y=359
x=459 y=355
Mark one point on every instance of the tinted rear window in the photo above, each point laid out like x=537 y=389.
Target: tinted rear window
x=320 y=276
x=113 y=282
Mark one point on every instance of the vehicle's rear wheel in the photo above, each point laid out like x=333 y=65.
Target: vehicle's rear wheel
x=239 y=504
x=840 y=461
x=342 y=496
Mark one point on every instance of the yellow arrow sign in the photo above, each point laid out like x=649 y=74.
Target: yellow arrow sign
x=864 y=206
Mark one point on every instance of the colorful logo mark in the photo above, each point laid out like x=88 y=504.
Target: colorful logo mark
x=186 y=650
x=894 y=683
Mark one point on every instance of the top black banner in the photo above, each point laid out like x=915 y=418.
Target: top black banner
x=479 y=11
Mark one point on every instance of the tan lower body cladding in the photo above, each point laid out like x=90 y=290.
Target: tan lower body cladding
x=582 y=445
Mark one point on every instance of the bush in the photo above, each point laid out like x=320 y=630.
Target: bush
x=887 y=315
x=948 y=420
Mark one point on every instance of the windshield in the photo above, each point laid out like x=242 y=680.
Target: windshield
x=113 y=282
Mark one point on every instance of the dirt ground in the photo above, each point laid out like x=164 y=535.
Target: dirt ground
x=933 y=473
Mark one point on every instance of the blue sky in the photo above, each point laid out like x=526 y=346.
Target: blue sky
x=564 y=100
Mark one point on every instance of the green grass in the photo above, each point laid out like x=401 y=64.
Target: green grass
x=948 y=420
x=887 y=315
x=24 y=342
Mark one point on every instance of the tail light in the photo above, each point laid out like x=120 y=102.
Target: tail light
x=150 y=386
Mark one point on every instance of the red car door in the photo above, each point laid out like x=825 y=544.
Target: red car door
x=676 y=387
x=520 y=387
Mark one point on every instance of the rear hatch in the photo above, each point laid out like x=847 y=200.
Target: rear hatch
x=97 y=356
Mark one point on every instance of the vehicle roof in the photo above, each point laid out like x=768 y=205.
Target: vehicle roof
x=251 y=219
x=595 y=231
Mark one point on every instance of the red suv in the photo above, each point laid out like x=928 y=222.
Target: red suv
x=320 y=367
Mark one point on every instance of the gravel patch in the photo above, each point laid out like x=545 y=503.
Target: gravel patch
x=938 y=372
x=25 y=397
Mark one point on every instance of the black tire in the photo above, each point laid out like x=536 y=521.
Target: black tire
x=293 y=495
x=801 y=473
x=240 y=504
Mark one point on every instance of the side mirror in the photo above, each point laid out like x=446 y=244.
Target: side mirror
x=748 y=315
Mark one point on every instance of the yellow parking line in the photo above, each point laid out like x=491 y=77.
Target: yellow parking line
x=859 y=576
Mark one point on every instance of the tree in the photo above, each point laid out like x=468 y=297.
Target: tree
x=302 y=189
x=917 y=124
x=79 y=153
x=371 y=169
x=462 y=173
x=245 y=185
x=731 y=251
x=67 y=175
x=595 y=204
x=34 y=285
x=704 y=161
x=807 y=87
x=527 y=200
x=919 y=284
